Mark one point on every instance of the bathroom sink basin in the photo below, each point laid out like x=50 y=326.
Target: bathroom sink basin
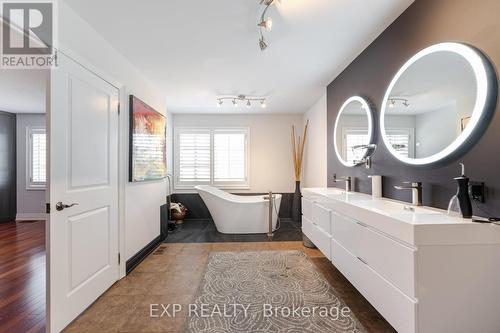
x=391 y=208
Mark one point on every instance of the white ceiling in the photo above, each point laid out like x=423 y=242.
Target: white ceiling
x=196 y=50
x=22 y=91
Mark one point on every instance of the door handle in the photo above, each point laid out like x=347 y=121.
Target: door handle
x=60 y=206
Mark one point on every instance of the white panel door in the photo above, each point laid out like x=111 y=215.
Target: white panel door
x=83 y=243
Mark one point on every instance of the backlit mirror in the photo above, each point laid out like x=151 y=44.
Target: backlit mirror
x=353 y=132
x=438 y=103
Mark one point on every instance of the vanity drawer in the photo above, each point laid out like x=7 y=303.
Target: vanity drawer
x=318 y=236
x=398 y=309
x=321 y=217
x=391 y=259
x=346 y=232
x=307 y=208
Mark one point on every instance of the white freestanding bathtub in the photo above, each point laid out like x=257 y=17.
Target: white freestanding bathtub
x=238 y=214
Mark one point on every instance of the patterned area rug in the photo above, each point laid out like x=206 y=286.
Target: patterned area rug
x=267 y=291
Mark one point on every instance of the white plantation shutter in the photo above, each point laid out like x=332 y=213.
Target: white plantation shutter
x=401 y=141
x=354 y=137
x=194 y=157
x=37 y=166
x=217 y=157
x=229 y=157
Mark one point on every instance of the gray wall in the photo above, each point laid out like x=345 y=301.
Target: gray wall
x=7 y=167
x=424 y=23
x=28 y=201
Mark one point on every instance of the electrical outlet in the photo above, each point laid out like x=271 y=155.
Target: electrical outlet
x=477 y=191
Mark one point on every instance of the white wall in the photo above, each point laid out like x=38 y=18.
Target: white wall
x=435 y=130
x=271 y=163
x=30 y=203
x=315 y=170
x=142 y=200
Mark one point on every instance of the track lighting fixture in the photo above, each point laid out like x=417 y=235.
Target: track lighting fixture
x=248 y=100
x=393 y=100
x=265 y=22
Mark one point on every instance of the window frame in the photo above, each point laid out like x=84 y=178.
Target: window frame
x=178 y=185
x=30 y=184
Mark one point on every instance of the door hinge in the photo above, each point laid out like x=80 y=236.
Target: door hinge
x=47 y=208
x=119 y=258
x=119 y=108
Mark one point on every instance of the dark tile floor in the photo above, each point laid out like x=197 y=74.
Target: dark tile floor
x=204 y=231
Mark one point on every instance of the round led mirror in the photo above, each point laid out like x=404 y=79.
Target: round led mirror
x=353 y=132
x=438 y=104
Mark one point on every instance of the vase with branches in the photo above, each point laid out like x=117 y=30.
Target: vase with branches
x=298 y=145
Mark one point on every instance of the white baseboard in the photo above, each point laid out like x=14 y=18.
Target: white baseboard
x=30 y=216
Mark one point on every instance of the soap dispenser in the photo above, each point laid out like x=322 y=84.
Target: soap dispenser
x=460 y=202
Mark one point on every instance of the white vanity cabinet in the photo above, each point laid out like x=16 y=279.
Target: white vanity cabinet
x=424 y=272
x=316 y=224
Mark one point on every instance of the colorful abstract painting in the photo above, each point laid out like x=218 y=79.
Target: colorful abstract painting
x=148 y=160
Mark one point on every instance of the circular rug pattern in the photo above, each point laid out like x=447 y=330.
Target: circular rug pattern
x=267 y=291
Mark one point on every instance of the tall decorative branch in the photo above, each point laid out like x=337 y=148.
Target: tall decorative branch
x=298 y=145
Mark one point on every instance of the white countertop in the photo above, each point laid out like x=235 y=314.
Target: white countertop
x=424 y=225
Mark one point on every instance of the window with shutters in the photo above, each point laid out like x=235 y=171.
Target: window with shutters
x=213 y=156
x=352 y=137
x=36 y=166
x=402 y=141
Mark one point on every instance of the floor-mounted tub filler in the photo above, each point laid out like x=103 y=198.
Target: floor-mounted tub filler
x=239 y=214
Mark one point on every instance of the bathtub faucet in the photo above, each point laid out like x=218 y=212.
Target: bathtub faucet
x=271 y=198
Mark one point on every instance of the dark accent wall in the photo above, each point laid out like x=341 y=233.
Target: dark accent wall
x=7 y=167
x=424 y=23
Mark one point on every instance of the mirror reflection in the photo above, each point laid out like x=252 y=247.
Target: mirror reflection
x=353 y=131
x=430 y=105
x=436 y=103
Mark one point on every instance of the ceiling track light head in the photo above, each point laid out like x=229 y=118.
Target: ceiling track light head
x=266 y=23
x=263 y=44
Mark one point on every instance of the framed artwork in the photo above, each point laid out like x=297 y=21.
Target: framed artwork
x=147 y=143
x=464 y=122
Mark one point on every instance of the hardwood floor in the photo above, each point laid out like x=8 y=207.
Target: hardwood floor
x=22 y=277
